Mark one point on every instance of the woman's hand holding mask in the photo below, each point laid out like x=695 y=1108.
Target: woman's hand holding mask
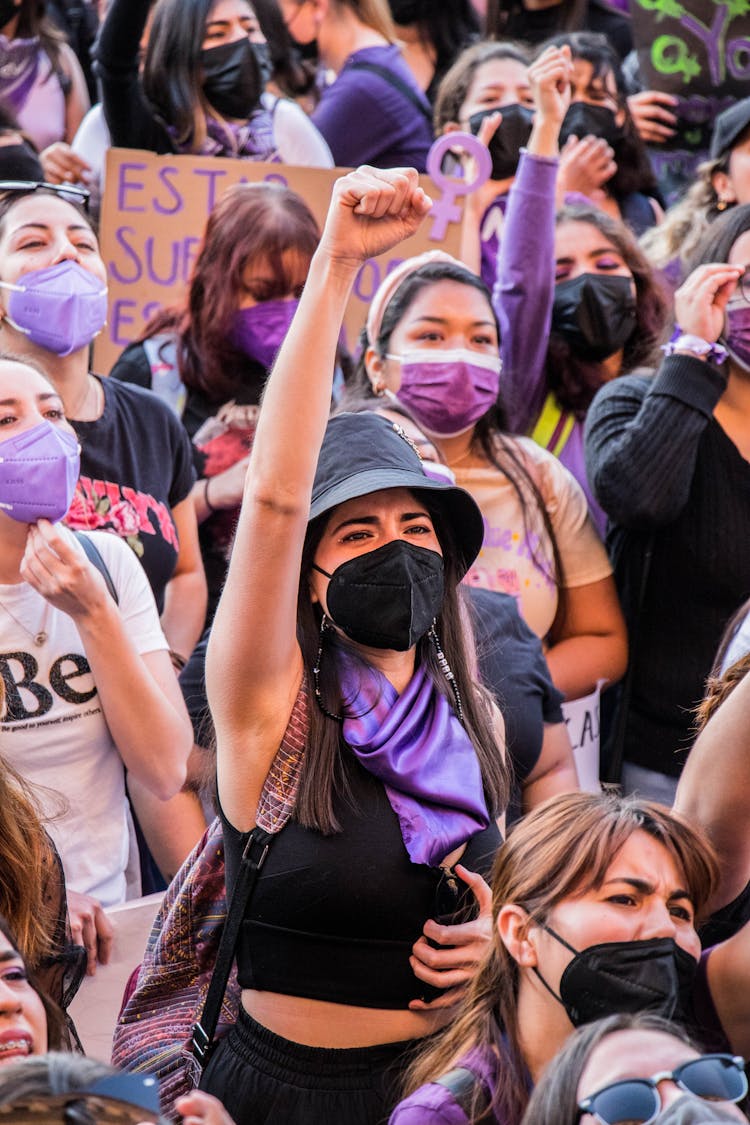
x=700 y=302
x=57 y=568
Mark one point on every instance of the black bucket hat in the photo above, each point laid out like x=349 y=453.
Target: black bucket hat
x=364 y=453
x=727 y=128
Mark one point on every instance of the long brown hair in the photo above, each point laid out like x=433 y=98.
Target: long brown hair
x=250 y=222
x=26 y=864
x=323 y=776
x=562 y=849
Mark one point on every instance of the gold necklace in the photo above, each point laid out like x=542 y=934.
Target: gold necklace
x=40 y=637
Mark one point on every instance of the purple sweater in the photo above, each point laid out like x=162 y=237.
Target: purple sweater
x=368 y=118
x=434 y=1104
x=522 y=299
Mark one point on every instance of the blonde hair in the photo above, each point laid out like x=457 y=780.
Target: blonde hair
x=562 y=849
x=680 y=231
x=373 y=13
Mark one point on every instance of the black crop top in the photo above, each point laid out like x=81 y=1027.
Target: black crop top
x=334 y=917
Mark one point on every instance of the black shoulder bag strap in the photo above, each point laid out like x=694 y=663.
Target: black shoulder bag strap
x=462 y=1084
x=253 y=857
x=397 y=83
x=93 y=554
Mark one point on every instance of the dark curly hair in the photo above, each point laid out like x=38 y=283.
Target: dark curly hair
x=575 y=381
x=634 y=172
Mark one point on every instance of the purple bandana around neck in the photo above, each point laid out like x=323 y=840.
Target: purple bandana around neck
x=415 y=744
x=19 y=66
x=252 y=141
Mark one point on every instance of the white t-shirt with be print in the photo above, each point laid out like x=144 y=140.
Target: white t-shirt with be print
x=53 y=730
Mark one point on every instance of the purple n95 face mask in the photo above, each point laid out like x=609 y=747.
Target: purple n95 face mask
x=259 y=331
x=446 y=392
x=38 y=473
x=60 y=308
x=737 y=333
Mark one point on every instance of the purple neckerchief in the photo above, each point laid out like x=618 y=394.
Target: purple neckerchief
x=415 y=744
x=254 y=140
x=19 y=66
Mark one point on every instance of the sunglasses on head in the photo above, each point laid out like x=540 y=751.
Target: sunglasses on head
x=68 y=192
x=636 y=1101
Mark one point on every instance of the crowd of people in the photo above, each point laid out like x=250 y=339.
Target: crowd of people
x=291 y=632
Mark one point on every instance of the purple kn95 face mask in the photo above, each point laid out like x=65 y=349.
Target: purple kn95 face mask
x=38 y=473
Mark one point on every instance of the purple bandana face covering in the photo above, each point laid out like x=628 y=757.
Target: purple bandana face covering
x=415 y=744
x=60 y=308
x=259 y=331
x=737 y=333
x=446 y=392
x=38 y=473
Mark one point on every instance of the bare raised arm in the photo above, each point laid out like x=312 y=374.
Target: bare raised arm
x=714 y=791
x=254 y=666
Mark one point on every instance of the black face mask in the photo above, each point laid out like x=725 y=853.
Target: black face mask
x=232 y=78
x=510 y=136
x=595 y=313
x=625 y=976
x=583 y=120
x=387 y=598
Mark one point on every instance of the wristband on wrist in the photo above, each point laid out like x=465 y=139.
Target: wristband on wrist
x=206 y=500
x=683 y=341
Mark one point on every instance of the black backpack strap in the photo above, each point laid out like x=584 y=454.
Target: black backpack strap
x=397 y=83
x=468 y=1090
x=93 y=554
x=253 y=857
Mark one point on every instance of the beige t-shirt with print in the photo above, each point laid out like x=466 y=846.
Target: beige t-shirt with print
x=518 y=559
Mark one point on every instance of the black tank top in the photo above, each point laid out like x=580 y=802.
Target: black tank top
x=334 y=917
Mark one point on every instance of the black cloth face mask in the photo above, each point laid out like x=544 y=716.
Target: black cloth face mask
x=232 y=78
x=584 y=120
x=387 y=598
x=625 y=976
x=511 y=135
x=595 y=313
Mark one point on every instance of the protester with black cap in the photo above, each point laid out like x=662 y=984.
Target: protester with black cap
x=341 y=617
x=721 y=182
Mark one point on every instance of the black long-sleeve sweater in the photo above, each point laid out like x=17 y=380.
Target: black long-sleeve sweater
x=131 y=120
x=664 y=471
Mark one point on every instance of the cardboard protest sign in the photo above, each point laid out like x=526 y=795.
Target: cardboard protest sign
x=699 y=51
x=154 y=211
x=582 y=720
